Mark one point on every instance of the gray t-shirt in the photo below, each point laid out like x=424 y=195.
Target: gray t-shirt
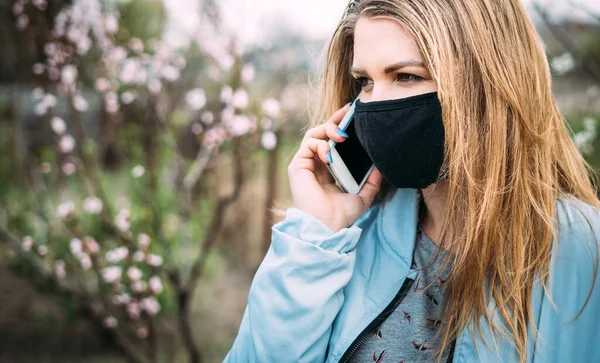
x=407 y=335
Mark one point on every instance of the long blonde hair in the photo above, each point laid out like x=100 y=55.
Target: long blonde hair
x=508 y=151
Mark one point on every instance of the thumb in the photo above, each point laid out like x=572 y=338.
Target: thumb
x=371 y=187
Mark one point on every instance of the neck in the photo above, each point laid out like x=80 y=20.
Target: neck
x=434 y=197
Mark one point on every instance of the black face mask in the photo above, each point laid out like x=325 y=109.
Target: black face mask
x=404 y=138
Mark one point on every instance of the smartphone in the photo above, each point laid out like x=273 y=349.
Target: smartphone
x=351 y=165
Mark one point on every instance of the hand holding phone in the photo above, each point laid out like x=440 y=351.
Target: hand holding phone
x=313 y=187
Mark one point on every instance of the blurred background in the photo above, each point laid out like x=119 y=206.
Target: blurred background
x=143 y=152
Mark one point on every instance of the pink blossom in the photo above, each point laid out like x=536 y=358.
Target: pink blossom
x=134 y=273
x=240 y=99
x=138 y=171
x=111 y=102
x=121 y=299
x=117 y=255
x=134 y=310
x=66 y=209
x=42 y=250
x=155 y=285
x=207 y=117
x=111 y=23
x=18 y=8
x=112 y=274
x=27 y=243
x=58 y=125
x=239 y=125
x=139 y=256
x=102 y=84
x=80 y=104
x=40 y=4
x=226 y=94
x=92 y=245
x=248 y=73
x=110 y=322
x=22 y=21
x=170 y=73
x=66 y=144
x=268 y=140
x=143 y=240
x=154 y=260
x=197 y=128
x=122 y=220
x=214 y=73
x=155 y=86
x=60 y=269
x=136 y=45
x=150 y=305
x=85 y=261
x=271 y=107
x=38 y=68
x=142 y=333
x=92 y=205
x=68 y=168
x=138 y=287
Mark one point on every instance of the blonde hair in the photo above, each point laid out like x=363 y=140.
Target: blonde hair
x=508 y=151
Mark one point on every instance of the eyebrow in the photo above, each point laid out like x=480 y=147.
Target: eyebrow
x=393 y=67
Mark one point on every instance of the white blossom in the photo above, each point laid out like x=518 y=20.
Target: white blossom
x=92 y=205
x=76 y=246
x=66 y=144
x=154 y=260
x=138 y=286
x=110 y=322
x=69 y=74
x=80 y=104
x=143 y=240
x=91 y=245
x=60 y=269
x=112 y=274
x=38 y=68
x=66 y=209
x=196 y=99
x=138 y=171
x=155 y=285
x=155 y=86
x=68 y=168
x=170 y=73
x=240 y=99
x=271 y=107
x=128 y=97
x=207 y=117
x=248 y=73
x=134 y=273
x=122 y=220
x=42 y=250
x=117 y=255
x=268 y=140
x=226 y=94
x=27 y=243
x=134 y=310
x=563 y=64
x=85 y=260
x=150 y=305
x=139 y=256
x=58 y=125
x=102 y=84
x=111 y=23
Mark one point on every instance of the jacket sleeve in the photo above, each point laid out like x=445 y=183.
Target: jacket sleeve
x=568 y=323
x=296 y=292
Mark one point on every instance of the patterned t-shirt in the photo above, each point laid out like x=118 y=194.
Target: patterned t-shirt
x=407 y=335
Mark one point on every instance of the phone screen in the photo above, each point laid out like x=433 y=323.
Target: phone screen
x=354 y=155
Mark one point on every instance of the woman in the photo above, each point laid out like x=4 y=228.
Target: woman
x=492 y=259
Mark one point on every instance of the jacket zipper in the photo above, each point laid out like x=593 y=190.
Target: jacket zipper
x=362 y=337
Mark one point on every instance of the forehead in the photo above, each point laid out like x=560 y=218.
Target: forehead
x=381 y=40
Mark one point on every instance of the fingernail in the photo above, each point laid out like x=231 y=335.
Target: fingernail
x=329 y=158
x=341 y=133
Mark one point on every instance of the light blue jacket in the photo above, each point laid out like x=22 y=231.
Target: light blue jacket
x=316 y=291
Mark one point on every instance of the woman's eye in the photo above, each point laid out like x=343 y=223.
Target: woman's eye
x=405 y=77
x=363 y=81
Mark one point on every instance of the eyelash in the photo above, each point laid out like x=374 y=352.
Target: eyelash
x=400 y=77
